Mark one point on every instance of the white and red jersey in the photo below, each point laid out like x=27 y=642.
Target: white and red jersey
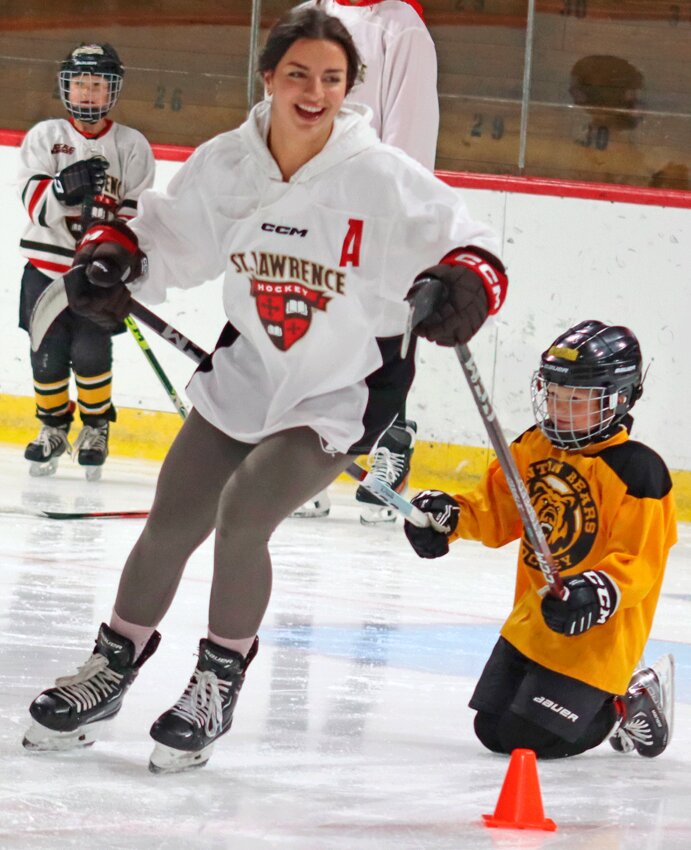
x=50 y=237
x=316 y=271
x=400 y=85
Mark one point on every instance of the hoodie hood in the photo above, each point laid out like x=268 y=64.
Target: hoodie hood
x=351 y=134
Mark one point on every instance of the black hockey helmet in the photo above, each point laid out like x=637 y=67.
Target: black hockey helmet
x=604 y=359
x=99 y=60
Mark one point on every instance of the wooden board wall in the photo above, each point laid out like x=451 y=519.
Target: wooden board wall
x=610 y=90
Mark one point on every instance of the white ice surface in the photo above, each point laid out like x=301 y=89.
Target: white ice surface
x=352 y=730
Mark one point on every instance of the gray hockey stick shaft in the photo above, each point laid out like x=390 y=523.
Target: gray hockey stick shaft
x=373 y=485
x=531 y=524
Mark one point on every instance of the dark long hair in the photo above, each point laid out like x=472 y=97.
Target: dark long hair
x=309 y=23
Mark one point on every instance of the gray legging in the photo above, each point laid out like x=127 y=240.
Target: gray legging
x=210 y=481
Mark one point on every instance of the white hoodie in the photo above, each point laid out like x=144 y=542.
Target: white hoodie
x=316 y=272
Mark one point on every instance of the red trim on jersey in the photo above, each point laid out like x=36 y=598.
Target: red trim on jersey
x=86 y=135
x=38 y=193
x=46 y=264
x=493 y=279
x=418 y=8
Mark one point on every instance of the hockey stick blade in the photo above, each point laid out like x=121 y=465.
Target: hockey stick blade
x=30 y=512
x=531 y=524
x=423 y=302
x=49 y=304
x=388 y=495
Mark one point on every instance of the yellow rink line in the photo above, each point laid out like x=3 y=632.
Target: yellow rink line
x=148 y=434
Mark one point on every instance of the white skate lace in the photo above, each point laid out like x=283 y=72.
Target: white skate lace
x=91 y=437
x=93 y=682
x=638 y=729
x=51 y=438
x=386 y=465
x=202 y=702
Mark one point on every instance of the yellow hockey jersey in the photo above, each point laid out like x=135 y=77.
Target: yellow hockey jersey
x=607 y=507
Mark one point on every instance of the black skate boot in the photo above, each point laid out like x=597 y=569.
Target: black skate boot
x=44 y=451
x=70 y=714
x=185 y=734
x=390 y=462
x=647 y=711
x=92 y=448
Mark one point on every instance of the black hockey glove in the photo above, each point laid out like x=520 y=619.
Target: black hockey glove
x=443 y=511
x=473 y=287
x=80 y=179
x=592 y=599
x=105 y=307
x=110 y=252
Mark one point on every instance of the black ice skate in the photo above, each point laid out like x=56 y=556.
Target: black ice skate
x=390 y=462
x=185 y=734
x=647 y=710
x=91 y=447
x=47 y=448
x=70 y=714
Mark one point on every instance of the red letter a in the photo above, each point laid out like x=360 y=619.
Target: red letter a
x=350 y=252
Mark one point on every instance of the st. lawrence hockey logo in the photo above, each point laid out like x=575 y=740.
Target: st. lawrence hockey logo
x=285 y=310
x=567 y=513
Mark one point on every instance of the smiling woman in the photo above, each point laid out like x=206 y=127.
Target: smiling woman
x=308 y=69
x=320 y=231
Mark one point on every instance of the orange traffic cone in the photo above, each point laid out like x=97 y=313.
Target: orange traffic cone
x=520 y=801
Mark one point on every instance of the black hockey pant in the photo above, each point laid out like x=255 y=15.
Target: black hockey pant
x=72 y=343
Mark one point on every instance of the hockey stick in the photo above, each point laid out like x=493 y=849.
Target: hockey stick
x=29 y=512
x=423 y=302
x=531 y=524
x=156 y=366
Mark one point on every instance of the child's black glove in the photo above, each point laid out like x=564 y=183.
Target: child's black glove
x=592 y=599
x=443 y=512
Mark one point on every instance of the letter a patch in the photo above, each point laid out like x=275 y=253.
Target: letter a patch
x=350 y=252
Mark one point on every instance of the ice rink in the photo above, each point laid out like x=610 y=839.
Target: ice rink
x=352 y=731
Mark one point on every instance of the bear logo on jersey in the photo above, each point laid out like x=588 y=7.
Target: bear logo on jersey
x=285 y=310
x=566 y=511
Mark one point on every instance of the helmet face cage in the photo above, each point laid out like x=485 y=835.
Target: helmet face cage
x=585 y=415
x=91 y=61
x=601 y=366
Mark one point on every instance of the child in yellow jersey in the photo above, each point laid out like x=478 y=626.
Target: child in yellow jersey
x=561 y=677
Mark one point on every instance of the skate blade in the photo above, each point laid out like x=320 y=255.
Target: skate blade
x=169 y=760
x=93 y=473
x=310 y=513
x=377 y=516
x=41 y=470
x=664 y=670
x=39 y=738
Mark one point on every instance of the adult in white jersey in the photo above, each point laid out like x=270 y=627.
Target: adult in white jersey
x=320 y=230
x=72 y=168
x=400 y=87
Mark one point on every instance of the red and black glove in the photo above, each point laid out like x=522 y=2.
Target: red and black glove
x=473 y=286
x=443 y=512
x=592 y=599
x=110 y=254
x=105 y=307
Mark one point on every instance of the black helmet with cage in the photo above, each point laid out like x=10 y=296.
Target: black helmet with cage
x=604 y=363
x=87 y=60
